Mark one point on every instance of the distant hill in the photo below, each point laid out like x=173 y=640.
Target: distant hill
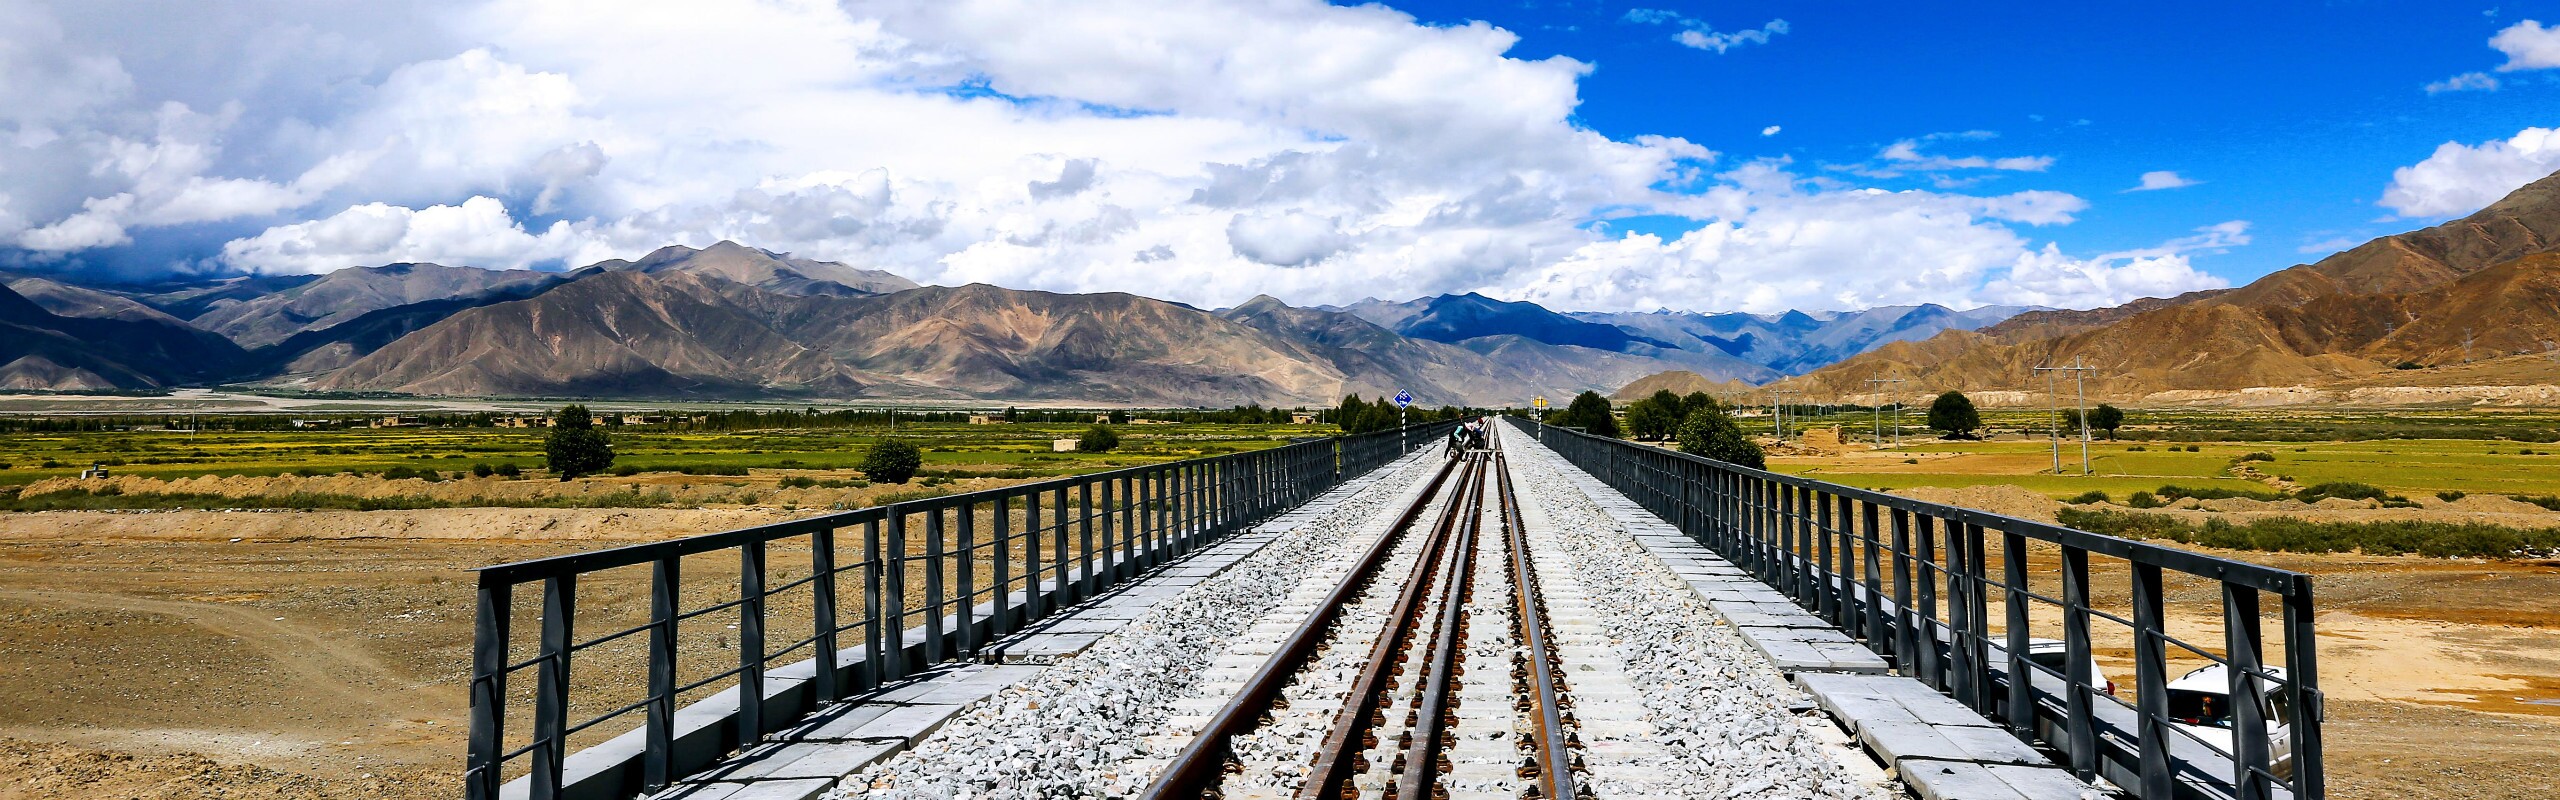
x=1795 y=341
x=349 y=293
x=2471 y=289
x=43 y=350
x=1679 y=382
x=765 y=269
x=1459 y=317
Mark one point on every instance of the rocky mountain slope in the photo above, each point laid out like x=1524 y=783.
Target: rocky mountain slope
x=764 y=269
x=2474 y=288
x=349 y=293
x=40 y=349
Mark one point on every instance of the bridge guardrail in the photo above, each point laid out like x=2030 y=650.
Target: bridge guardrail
x=1877 y=565
x=915 y=572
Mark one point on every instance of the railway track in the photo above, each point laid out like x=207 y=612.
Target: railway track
x=1457 y=691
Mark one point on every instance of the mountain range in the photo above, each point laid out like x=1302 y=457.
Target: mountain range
x=2394 y=310
x=733 y=322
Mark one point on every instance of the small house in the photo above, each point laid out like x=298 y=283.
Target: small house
x=1062 y=445
x=985 y=419
x=1302 y=418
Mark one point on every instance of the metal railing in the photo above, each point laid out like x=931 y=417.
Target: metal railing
x=872 y=595
x=1919 y=583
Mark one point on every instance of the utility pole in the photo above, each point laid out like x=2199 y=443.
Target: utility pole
x=2080 y=404
x=1879 y=412
x=1778 y=408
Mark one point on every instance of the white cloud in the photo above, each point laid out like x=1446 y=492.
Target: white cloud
x=1708 y=39
x=479 y=232
x=1174 y=149
x=2162 y=179
x=2528 y=45
x=1769 y=131
x=2465 y=82
x=2459 y=179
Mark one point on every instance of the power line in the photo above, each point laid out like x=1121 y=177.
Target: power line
x=1879 y=412
x=2080 y=408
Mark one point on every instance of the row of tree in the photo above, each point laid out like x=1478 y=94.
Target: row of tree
x=1953 y=415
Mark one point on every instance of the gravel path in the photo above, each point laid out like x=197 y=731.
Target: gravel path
x=1713 y=718
x=1088 y=727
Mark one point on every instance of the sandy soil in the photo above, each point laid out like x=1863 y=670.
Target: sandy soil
x=149 y=650
x=759 y=488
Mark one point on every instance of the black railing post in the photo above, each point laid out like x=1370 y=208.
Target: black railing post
x=2245 y=646
x=2021 y=715
x=822 y=612
x=483 y=773
x=1062 y=552
x=2083 y=745
x=1001 y=575
x=1924 y=594
x=2151 y=682
x=750 y=644
x=1035 y=603
x=658 y=756
x=893 y=594
x=1087 y=578
x=964 y=606
x=1873 y=606
x=1906 y=643
x=875 y=668
x=2302 y=676
x=551 y=685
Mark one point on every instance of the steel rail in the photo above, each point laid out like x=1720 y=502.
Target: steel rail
x=1420 y=762
x=1544 y=675
x=1193 y=772
x=1338 y=757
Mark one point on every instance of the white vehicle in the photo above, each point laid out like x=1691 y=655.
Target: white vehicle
x=2200 y=705
x=2051 y=654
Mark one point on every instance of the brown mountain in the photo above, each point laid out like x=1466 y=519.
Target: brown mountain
x=1378 y=362
x=349 y=293
x=764 y=269
x=1680 y=382
x=2411 y=297
x=40 y=349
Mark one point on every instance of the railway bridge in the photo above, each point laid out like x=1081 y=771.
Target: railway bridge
x=1551 y=615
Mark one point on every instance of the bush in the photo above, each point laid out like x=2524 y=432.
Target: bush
x=399 y=473
x=2547 y=502
x=2195 y=448
x=1097 y=439
x=2288 y=534
x=2143 y=500
x=2174 y=492
x=625 y=471
x=2261 y=455
x=509 y=470
x=2450 y=495
x=1954 y=415
x=482 y=471
x=50 y=464
x=2136 y=449
x=1712 y=433
x=2087 y=497
x=2347 y=490
x=891 y=461
x=575 y=448
x=796 y=482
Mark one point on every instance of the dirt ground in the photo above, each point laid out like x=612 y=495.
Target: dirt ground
x=322 y=655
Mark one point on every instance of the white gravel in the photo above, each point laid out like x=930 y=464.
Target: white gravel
x=1079 y=729
x=1717 y=712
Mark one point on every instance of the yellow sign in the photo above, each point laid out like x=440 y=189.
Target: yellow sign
x=1540 y=401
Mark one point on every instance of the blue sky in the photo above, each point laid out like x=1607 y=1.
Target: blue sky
x=1753 y=156
x=2289 y=115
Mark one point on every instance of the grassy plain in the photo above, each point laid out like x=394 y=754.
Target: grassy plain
x=1013 y=450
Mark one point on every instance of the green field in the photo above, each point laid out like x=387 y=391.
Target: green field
x=951 y=449
x=2408 y=451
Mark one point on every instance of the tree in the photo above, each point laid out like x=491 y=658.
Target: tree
x=1953 y=414
x=1712 y=433
x=1590 y=412
x=892 y=461
x=1097 y=439
x=1695 y=402
x=575 y=448
x=1119 y=417
x=2107 y=418
x=1360 y=416
x=1655 y=418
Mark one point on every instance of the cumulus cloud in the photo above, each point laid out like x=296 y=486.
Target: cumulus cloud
x=2162 y=179
x=2528 y=45
x=1769 y=131
x=1713 y=41
x=2459 y=178
x=478 y=232
x=2465 y=82
x=1175 y=149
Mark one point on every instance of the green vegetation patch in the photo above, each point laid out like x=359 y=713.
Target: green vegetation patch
x=2292 y=535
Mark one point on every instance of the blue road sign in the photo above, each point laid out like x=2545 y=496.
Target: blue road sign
x=1404 y=399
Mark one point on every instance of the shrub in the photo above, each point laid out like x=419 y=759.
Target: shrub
x=308 y=472
x=2450 y=495
x=1954 y=415
x=2136 y=449
x=574 y=447
x=399 y=473
x=50 y=464
x=2195 y=448
x=509 y=470
x=1712 y=433
x=2174 y=492
x=1097 y=439
x=891 y=461
x=625 y=471
x=482 y=471
x=2348 y=490
x=2261 y=455
x=2087 y=497
x=2289 y=534
x=2547 y=502
x=2142 y=500
x=797 y=482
